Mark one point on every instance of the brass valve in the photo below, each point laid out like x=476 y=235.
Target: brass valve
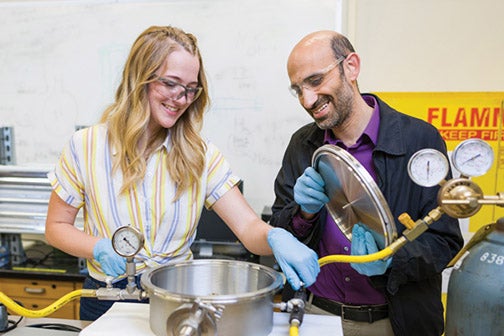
x=406 y=220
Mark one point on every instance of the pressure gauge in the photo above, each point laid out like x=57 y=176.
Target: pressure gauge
x=127 y=241
x=473 y=157
x=428 y=167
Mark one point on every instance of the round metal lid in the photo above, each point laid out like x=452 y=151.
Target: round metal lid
x=353 y=195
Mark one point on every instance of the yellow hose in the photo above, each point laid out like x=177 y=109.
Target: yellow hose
x=294 y=329
x=343 y=258
x=19 y=310
x=386 y=252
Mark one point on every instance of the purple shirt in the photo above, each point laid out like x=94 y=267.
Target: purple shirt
x=339 y=281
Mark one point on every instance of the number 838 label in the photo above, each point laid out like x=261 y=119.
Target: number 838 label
x=492 y=258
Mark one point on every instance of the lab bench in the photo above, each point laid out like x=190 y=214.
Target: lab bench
x=133 y=319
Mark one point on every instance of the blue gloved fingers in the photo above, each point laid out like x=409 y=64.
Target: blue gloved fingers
x=310 y=200
x=315 y=177
x=297 y=261
x=308 y=273
x=111 y=263
x=388 y=262
x=290 y=274
x=113 y=266
x=370 y=243
x=363 y=243
x=309 y=191
x=305 y=272
x=358 y=245
x=311 y=179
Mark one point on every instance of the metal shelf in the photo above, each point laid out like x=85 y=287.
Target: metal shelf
x=24 y=198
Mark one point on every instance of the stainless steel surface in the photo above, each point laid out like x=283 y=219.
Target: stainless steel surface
x=354 y=196
x=24 y=197
x=244 y=289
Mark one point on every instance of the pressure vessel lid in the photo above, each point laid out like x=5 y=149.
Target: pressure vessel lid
x=354 y=196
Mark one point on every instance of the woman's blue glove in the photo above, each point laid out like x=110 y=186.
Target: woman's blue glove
x=297 y=261
x=111 y=263
x=309 y=191
x=363 y=243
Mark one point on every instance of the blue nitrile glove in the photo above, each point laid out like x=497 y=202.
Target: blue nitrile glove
x=309 y=191
x=111 y=263
x=363 y=243
x=297 y=261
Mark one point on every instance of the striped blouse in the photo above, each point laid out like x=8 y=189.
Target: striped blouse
x=83 y=178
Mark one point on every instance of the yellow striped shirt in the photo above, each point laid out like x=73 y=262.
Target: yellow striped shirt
x=83 y=178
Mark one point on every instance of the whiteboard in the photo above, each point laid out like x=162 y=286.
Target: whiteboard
x=60 y=64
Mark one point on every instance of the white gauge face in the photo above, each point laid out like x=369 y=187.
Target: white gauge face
x=473 y=157
x=428 y=167
x=127 y=241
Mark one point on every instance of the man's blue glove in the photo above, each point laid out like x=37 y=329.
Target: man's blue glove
x=297 y=261
x=363 y=243
x=309 y=191
x=111 y=263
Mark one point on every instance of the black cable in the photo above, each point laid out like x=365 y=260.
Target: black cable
x=14 y=324
x=55 y=326
x=45 y=257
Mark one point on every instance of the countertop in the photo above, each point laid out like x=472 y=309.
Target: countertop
x=132 y=319
x=125 y=319
x=44 y=262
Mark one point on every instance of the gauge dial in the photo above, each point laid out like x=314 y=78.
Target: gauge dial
x=428 y=167
x=473 y=157
x=127 y=241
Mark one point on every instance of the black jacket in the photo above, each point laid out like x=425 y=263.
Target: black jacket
x=413 y=282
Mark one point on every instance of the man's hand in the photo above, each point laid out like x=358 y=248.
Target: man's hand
x=363 y=243
x=309 y=191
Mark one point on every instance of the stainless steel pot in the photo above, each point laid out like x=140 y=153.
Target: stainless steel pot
x=210 y=297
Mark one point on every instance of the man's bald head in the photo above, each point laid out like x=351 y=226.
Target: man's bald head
x=321 y=43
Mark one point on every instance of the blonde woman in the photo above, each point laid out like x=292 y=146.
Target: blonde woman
x=146 y=165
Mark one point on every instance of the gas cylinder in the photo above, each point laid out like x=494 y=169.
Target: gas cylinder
x=475 y=299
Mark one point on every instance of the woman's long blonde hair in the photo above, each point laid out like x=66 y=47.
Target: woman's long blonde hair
x=128 y=117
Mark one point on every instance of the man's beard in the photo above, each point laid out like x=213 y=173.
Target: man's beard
x=341 y=109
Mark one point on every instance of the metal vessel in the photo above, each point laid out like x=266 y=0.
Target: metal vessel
x=210 y=297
